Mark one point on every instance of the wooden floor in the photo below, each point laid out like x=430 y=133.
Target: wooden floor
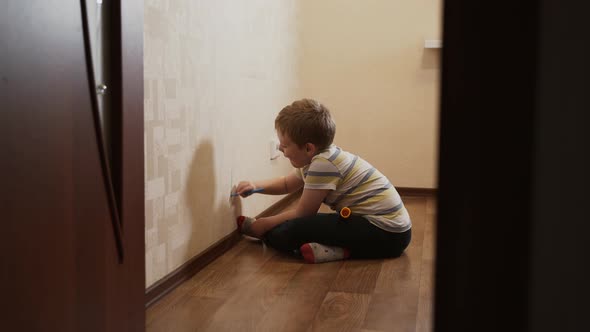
x=254 y=288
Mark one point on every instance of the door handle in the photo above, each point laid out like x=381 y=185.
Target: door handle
x=103 y=131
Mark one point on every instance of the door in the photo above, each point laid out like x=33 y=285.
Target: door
x=72 y=239
x=512 y=230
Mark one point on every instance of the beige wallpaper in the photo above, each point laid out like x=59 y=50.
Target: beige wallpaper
x=366 y=61
x=216 y=74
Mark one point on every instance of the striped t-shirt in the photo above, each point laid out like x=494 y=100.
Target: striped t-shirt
x=356 y=184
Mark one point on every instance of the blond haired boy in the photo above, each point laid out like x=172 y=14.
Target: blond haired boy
x=379 y=225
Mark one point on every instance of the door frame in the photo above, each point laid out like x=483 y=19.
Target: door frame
x=512 y=226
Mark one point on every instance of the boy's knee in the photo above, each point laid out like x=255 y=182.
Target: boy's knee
x=279 y=238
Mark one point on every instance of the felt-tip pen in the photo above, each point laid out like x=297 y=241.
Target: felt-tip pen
x=250 y=192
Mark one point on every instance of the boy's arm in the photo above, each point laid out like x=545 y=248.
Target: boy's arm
x=308 y=205
x=277 y=186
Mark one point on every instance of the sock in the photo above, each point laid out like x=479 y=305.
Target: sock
x=319 y=253
x=244 y=224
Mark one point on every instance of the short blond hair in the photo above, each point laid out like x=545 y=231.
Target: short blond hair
x=307 y=121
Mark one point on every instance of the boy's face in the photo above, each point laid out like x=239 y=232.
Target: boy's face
x=298 y=156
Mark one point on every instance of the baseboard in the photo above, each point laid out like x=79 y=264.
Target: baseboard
x=410 y=191
x=190 y=268
x=197 y=263
x=403 y=191
x=282 y=204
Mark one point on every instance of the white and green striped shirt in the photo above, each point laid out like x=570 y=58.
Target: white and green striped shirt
x=356 y=184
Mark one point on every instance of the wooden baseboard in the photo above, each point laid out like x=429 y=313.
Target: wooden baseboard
x=403 y=191
x=282 y=204
x=190 y=268
x=197 y=263
x=410 y=191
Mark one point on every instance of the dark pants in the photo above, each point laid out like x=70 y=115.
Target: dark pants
x=357 y=234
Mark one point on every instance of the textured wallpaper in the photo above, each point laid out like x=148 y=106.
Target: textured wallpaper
x=216 y=75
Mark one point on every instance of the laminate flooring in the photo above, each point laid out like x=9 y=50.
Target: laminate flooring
x=254 y=288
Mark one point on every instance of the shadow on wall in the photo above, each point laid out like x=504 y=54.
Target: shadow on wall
x=208 y=220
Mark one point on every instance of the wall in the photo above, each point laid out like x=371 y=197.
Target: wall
x=216 y=74
x=366 y=61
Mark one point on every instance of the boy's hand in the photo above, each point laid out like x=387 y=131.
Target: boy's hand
x=245 y=188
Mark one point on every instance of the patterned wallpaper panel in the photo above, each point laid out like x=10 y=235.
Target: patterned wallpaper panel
x=216 y=74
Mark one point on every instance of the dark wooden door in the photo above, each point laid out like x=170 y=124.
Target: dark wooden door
x=72 y=226
x=514 y=173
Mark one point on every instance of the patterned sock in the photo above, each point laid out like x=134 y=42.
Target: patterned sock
x=319 y=253
x=244 y=224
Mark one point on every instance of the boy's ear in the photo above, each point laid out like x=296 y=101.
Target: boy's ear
x=310 y=148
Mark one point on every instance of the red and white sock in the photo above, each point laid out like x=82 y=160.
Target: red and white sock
x=320 y=253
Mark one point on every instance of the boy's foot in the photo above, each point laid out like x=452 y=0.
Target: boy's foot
x=244 y=224
x=319 y=253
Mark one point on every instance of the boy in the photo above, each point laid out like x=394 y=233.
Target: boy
x=379 y=225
